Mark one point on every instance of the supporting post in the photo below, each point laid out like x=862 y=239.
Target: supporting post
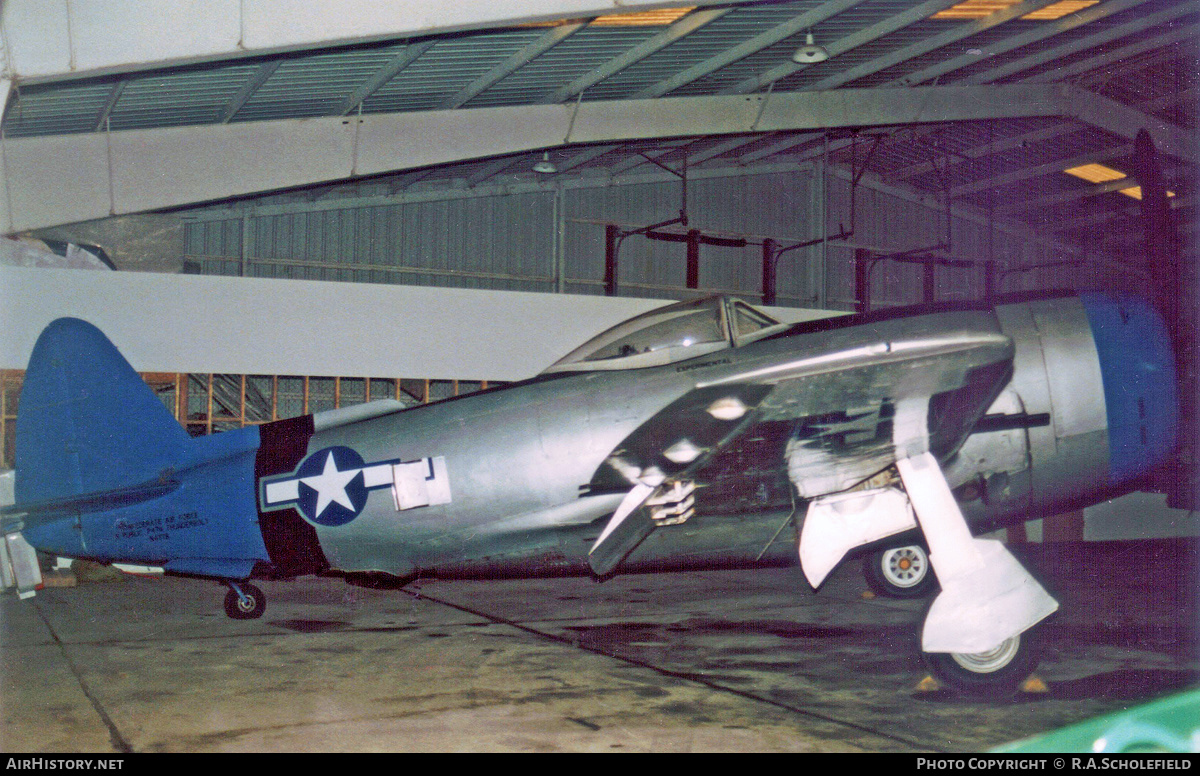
x=862 y=280
x=693 y=258
x=930 y=268
x=208 y=416
x=611 y=243
x=768 y=271
x=244 y=258
x=181 y=398
x=4 y=452
x=560 y=240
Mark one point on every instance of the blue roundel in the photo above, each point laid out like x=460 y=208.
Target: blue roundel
x=332 y=487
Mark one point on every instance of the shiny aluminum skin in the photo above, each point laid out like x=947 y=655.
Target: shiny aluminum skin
x=520 y=458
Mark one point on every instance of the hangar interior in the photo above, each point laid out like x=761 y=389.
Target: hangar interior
x=810 y=155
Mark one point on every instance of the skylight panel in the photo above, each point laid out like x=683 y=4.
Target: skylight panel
x=660 y=17
x=1099 y=173
x=976 y=9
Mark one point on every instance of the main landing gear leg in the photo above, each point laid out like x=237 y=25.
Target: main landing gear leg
x=977 y=635
x=244 y=601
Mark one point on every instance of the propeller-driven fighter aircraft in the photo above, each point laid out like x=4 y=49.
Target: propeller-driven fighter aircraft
x=634 y=452
x=878 y=421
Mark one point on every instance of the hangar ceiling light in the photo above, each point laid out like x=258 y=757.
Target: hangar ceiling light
x=975 y=9
x=1099 y=173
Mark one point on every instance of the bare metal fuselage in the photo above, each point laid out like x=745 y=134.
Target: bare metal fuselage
x=519 y=459
x=1017 y=404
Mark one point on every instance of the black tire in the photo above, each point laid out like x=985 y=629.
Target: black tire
x=900 y=572
x=993 y=675
x=250 y=608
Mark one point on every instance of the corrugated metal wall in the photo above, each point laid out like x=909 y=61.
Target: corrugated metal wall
x=483 y=242
x=511 y=242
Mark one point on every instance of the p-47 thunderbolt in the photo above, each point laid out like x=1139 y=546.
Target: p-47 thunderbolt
x=636 y=451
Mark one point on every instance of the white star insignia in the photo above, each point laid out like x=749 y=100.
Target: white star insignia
x=330 y=485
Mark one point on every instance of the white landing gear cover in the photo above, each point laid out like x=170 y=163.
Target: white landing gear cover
x=987 y=595
x=834 y=525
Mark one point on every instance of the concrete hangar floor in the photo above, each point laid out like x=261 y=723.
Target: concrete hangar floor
x=699 y=661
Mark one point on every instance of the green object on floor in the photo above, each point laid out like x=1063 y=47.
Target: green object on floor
x=1167 y=725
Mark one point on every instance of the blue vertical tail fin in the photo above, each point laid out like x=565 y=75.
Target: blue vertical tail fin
x=87 y=423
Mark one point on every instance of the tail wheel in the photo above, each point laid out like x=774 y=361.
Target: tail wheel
x=900 y=572
x=996 y=674
x=245 y=602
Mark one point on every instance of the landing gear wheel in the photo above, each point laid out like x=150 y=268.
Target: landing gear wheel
x=995 y=674
x=900 y=572
x=249 y=605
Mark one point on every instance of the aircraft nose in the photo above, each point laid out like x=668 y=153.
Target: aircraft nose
x=1140 y=389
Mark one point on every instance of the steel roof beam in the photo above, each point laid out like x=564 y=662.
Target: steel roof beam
x=1177 y=35
x=1156 y=58
x=488 y=170
x=1038 y=33
x=114 y=95
x=547 y=41
x=783 y=145
x=677 y=31
x=1000 y=145
x=759 y=42
x=411 y=53
x=68 y=40
x=1087 y=44
x=1025 y=139
x=259 y=77
x=921 y=47
x=701 y=155
x=1026 y=173
x=1133 y=210
x=583 y=157
x=842 y=45
x=722 y=147
x=1176 y=137
x=878 y=30
x=1093 y=190
x=94 y=175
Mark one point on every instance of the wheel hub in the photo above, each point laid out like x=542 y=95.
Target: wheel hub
x=904 y=567
x=992 y=660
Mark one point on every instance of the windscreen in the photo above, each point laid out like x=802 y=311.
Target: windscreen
x=680 y=328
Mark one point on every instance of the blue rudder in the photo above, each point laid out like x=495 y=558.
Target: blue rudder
x=86 y=422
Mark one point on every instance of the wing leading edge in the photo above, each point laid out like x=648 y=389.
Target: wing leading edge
x=858 y=403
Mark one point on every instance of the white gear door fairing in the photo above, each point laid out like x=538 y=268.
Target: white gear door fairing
x=834 y=525
x=987 y=595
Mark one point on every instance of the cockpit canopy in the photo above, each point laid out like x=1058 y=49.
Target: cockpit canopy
x=673 y=333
